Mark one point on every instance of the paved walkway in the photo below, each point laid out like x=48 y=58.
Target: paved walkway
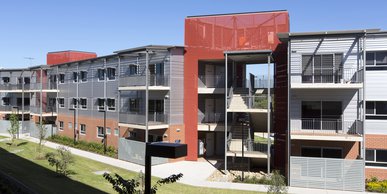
x=195 y=173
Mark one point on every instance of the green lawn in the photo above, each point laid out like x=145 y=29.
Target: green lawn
x=38 y=175
x=2 y=137
x=259 y=139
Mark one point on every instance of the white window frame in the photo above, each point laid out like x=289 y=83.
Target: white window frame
x=77 y=76
x=83 y=126
x=108 y=131
x=109 y=108
x=81 y=105
x=74 y=105
x=104 y=103
x=9 y=101
x=61 y=125
x=81 y=80
x=61 y=105
x=104 y=74
x=107 y=74
x=136 y=66
x=70 y=125
x=116 y=132
x=98 y=135
x=374 y=161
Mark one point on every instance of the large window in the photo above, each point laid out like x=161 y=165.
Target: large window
x=376 y=58
x=324 y=68
x=134 y=105
x=321 y=152
x=376 y=157
x=111 y=73
x=321 y=115
x=376 y=110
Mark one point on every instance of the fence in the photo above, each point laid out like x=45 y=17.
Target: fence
x=327 y=173
x=332 y=75
x=327 y=126
x=27 y=127
x=134 y=151
x=139 y=80
x=211 y=81
x=153 y=118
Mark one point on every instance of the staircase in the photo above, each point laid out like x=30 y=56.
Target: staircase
x=237 y=101
x=237 y=135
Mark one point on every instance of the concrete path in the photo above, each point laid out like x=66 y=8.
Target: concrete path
x=195 y=173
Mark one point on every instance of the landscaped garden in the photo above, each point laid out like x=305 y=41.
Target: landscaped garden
x=21 y=161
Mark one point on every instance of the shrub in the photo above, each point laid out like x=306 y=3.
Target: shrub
x=252 y=180
x=61 y=160
x=375 y=185
x=277 y=183
x=13 y=130
x=84 y=145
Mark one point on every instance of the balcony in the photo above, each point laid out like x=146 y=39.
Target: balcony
x=326 y=129
x=328 y=78
x=137 y=82
x=47 y=111
x=209 y=84
x=211 y=121
x=155 y=120
x=44 y=87
x=13 y=87
x=14 y=109
x=251 y=149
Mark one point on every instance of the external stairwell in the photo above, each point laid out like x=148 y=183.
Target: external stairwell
x=238 y=102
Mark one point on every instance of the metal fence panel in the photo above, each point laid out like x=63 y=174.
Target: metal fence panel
x=327 y=173
x=134 y=151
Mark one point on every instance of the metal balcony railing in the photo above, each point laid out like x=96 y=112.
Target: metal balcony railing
x=211 y=81
x=45 y=109
x=210 y=117
x=248 y=146
x=11 y=108
x=333 y=75
x=139 y=119
x=139 y=80
x=44 y=86
x=328 y=126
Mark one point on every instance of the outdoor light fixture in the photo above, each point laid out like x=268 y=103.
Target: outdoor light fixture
x=164 y=150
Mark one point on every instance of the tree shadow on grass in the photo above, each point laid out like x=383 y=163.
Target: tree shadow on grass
x=38 y=178
x=19 y=144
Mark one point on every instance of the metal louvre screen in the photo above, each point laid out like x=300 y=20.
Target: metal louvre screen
x=327 y=173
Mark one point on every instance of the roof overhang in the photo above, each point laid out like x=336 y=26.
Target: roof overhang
x=249 y=56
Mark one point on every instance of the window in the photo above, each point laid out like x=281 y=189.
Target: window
x=376 y=157
x=381 y=108
x=111 y=73
x=6 y=80
x=321 y=115
x=61 y=125
x=134 y=105
x=111 y=104
x=61 y=78
x=108 y=130
x=156 y=106
x=376 y=58
x=74 y=102
x=101 y=74
x=61 y=102
x=100 y=132
x=75 y=76
x=116 y=132
x=370 y=107
x=83 y=129
x=325 y=68
x=83 y=103
x=83 y=76
x=133 y=69
x=321 y=152
x=70 y=125
x=376 y=109
x=6 y=101
x=101 y=103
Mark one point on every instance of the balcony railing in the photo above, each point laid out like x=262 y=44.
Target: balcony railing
x=249 y=102
x=45 y=109
x=332 y=75
x=327 y=126
x=249 y=146
x=14 y=109
x=139 y=80
x=210 y=117
x=44 y=86
x=139 y=119
x=211 y=81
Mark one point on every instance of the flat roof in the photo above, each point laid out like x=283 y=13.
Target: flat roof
x=286 y=35
x=148 y=47
x=237 y=13
x=71 y=51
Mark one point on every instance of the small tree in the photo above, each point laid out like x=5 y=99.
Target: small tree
x=14 y=127
x=277 y=183
x=42 y=132
x=131 y=186
x=61 y=160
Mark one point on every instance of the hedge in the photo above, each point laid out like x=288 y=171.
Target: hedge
x=84 y=145
x=375 y=185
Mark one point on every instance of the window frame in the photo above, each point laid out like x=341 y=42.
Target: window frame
x=136 y=102
x=108 y=76
x=82 y=132
x=374 y=162
x=133 y=67
x=99 y=107
x=111 y=108
x=83 y=107
x=102 y=134
x=375 y=112
x=116 y=132
x=61 y=126
x=9 y=101
x=108 y=131
x=101 y=71
x=375 y=63
x=60 y=78
x=75 y=77
x=83 y=79
x=74 y=105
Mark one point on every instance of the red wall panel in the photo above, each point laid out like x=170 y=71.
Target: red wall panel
x=68 y=56
x=207 y=37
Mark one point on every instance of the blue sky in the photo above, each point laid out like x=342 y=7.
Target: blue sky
x=33 y=28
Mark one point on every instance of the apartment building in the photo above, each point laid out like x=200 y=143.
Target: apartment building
x=335 y=105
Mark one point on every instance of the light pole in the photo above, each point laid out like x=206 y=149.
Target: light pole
x=104 y=131
x=17 y=112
